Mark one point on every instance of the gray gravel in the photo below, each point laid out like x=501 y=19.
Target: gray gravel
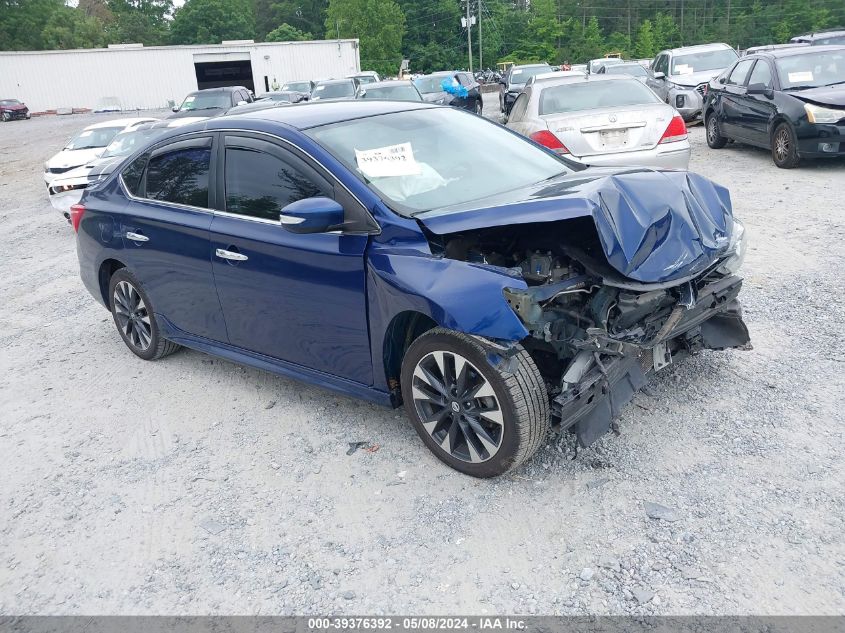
x=193 y=485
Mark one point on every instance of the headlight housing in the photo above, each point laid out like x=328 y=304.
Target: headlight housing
x=735 y=254
x=819 y=114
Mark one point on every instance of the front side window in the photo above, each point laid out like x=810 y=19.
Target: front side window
x=133 y=172
x=180 y=176
x=260 y=185
x=761 y=74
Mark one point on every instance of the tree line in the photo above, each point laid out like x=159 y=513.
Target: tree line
x=428 y=32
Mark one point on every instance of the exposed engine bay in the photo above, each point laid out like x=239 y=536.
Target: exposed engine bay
x=593 y=333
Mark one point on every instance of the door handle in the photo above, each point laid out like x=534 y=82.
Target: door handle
x=136 y=237
x=222 y=253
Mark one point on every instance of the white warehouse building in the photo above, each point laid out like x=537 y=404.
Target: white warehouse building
x=134 y=76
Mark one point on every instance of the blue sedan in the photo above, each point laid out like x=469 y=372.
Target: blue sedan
x=490 y=286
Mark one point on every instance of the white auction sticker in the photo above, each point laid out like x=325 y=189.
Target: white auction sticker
x=805 y=75
x=683 y=69
x=393 y=160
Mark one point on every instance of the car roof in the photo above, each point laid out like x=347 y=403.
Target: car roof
x=302 y=116
x=798 y=50
x=344 y=80
x=120 y=122
x=592 y=78
x=836 y=31
x=699 y=48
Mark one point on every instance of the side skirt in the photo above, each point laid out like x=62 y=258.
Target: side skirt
x=273 y=365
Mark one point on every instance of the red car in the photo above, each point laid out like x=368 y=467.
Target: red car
x=13 y=109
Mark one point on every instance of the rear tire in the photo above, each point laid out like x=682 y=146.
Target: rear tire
x=481 y=419
x=715 y=140
x=785 y=147
x=479 y=107
x=134 y=318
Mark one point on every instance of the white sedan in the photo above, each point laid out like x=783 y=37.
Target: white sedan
x=602 y=120
x=88 y=145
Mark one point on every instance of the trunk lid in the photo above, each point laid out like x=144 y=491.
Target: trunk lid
x=610 y=130
x=653 y=226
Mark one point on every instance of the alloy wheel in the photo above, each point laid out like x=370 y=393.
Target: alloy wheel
x=132 y=317
x=458 y=407
x=782 y=145
x=711 y=130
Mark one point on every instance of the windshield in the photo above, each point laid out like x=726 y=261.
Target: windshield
x=635 y=70
x=206 y=101
x=573 y=97
x=431 y=83
x=333 y=91
x=399 y=92
x=298 y=86
x=411 y=161
x=833 y=39
x=700 y=62
x=811 y=70
x=519 y=76
x=365 y=79
x=89 y=139
x=127 y=142
x=9 y=102
x=277 y=96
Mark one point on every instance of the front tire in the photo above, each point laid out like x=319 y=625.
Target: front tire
x=785 y=147
x=715 y=140
x=481 y=419
x=479 y=107
x=134 y=318
x=6 y=117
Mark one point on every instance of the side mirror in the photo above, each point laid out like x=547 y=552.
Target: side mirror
x=241 y=102
x=759 y=89
x=659 y=75
x=175 y=108
x=312 y=215
x=722 y=80
x=363 y=93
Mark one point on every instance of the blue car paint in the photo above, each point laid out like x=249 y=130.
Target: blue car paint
x=654 y=226
x=397 y=271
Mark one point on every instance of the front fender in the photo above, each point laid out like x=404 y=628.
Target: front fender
x=457 y=295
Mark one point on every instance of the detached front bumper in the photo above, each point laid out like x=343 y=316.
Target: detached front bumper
x=612 y=367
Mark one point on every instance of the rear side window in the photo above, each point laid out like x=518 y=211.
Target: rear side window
x=180 y=176
x=260 y=185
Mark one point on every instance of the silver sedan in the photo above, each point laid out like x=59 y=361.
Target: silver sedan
x=603 y=120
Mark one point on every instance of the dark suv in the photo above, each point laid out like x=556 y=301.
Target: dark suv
x=212 y=102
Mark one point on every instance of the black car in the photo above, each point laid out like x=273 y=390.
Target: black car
x=822 y=38
x=212 y=102
x=791 y=101
x=11 y=109
x=514 y=81
x=454 y=88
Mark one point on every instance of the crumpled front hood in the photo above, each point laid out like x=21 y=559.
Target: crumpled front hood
x=654 y=226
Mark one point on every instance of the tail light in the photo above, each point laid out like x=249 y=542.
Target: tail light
x=675 y=131
x=76 y=213
x=547 y=139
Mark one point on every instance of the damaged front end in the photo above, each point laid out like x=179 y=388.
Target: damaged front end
x=595 y=333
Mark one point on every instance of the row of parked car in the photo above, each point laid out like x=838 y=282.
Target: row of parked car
x=789 y=99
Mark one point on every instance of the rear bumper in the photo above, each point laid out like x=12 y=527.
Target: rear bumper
x=667 y=156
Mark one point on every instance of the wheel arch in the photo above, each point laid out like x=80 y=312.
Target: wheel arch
x=107 y=268
x=403 y=329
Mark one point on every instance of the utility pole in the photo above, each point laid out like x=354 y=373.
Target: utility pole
x=469 y=36
x=480 y=52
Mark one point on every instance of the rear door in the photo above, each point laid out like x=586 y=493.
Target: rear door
x=298 y=298
x=165 y=232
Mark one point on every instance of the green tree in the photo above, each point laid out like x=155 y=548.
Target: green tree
x=306 y=15
x=645 y=46
x=71 y=28
x=22 y=23
x=287 y=33
x=212 y=21
x=432 y=39
x=542 y=33
x=144 y=21
x=378 y=24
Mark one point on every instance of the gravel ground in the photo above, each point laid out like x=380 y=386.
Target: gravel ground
x=193 y=486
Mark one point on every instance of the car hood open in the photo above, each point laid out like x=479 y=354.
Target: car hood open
x=825 y=95
x=654 y=226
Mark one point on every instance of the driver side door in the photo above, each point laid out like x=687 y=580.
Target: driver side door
x=299 y=298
